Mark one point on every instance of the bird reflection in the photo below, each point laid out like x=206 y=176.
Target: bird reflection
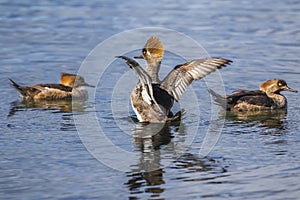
x=267 y=118
x=55 y=105
x=150 y=181
x=156 y=144
x=149 y=138
x=60 y=106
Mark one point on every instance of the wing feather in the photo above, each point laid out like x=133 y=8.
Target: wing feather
x=145 y=80
x=183 y=75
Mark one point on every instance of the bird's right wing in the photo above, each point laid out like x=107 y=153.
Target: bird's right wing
x=145 y=80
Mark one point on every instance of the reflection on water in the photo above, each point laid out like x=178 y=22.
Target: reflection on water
x=194 y=164
x=149 y=138
x=267 y=122
x=30 y=114
x=56 y=105
x=42 y=156
x=266 y=118
x=155 y=143
x=151 y=182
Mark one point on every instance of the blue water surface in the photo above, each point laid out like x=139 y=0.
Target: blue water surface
x=43 y=156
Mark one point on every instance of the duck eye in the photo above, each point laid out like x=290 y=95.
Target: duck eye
x=144 y=51
x=280 y=84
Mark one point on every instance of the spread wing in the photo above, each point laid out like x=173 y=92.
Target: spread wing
x=145 y=80
x=183 y=75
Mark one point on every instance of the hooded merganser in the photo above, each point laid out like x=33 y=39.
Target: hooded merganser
x=267 y=98
x=152 y=99
x=152 y=52
x=71 y=86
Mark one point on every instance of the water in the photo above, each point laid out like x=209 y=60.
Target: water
x=44 y=157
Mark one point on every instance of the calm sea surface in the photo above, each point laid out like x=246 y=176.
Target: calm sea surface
x=95 y=149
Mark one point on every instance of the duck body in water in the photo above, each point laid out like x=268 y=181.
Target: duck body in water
x=70 y=87
x=267 y=98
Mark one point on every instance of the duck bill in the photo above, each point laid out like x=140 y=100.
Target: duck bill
x=290 y=90
x=138 y=57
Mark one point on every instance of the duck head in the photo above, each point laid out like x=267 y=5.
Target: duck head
x=73 y=80
x=153 y=50
x=275 y=86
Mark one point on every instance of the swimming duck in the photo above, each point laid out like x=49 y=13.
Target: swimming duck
x=267 y=98
x=152 y=99
x=71 y=86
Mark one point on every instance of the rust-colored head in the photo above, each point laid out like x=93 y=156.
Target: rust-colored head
x=275 y=86
x=73 y=80
x=153 y=50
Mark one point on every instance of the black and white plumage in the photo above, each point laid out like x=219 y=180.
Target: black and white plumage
x=153 y=102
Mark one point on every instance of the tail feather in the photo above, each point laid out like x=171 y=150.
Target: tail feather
x=19 y=88
x=219 y=99
x=177 y=117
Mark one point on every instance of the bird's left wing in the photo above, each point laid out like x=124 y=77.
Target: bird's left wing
x=183 y=75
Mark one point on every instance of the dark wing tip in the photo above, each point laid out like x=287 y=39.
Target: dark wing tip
x=138 y=57
x=222 y=62
x=224 y=59
x=130 y=62
x=121 y=57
